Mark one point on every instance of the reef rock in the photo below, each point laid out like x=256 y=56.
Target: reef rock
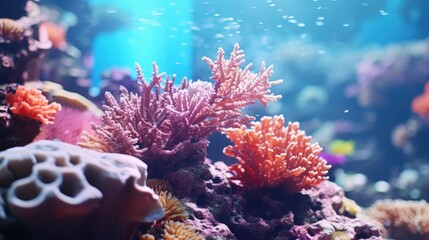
x=61 y=191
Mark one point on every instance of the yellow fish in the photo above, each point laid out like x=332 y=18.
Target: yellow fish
x=342 y=147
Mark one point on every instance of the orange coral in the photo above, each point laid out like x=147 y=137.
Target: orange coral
x=271 y=154
x=420 y=104
x=30 y=102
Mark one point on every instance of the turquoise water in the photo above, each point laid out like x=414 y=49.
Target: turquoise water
x=387 y=27
x=158 y=31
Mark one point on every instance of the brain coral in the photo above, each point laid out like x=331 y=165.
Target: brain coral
x=61 y=191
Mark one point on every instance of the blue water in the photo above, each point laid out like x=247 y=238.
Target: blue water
x=159 y=31
x=388 y=27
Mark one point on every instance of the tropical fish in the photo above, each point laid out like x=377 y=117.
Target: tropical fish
x=342 y=147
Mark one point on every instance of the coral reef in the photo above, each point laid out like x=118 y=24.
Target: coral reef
x=272 y=155
x=84 y=194
x=276 y=191
x=221 y=210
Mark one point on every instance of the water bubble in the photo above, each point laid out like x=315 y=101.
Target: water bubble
x=383 y=13
x=219 y=36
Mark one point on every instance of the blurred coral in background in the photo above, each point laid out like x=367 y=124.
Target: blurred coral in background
x=402 y=219
x=420 y=104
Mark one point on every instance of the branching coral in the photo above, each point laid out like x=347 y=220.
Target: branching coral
x=420 y=104
x=236 y=87
x=271 y=154
x=165 y=120
x=402 y=219
x=30 y=102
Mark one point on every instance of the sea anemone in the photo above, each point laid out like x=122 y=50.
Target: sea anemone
x=173 y=208
x=159 y=185
x=180 y=231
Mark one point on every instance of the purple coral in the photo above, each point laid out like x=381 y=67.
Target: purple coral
x=165 y=120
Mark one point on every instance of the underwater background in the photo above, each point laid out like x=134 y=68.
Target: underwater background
x=354 y=77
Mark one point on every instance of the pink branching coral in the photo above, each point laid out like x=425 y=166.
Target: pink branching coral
x=270 y=155
x=165 y=120
x=30 y=102
x=420 y=104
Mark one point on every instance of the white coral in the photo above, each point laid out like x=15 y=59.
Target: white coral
x=61 y=191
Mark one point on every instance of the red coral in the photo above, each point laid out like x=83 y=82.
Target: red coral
x=271 y=155
x=420 y=104
x=30 y=102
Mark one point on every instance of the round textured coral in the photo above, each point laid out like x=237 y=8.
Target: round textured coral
x=270 y=154
x=30 y=102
